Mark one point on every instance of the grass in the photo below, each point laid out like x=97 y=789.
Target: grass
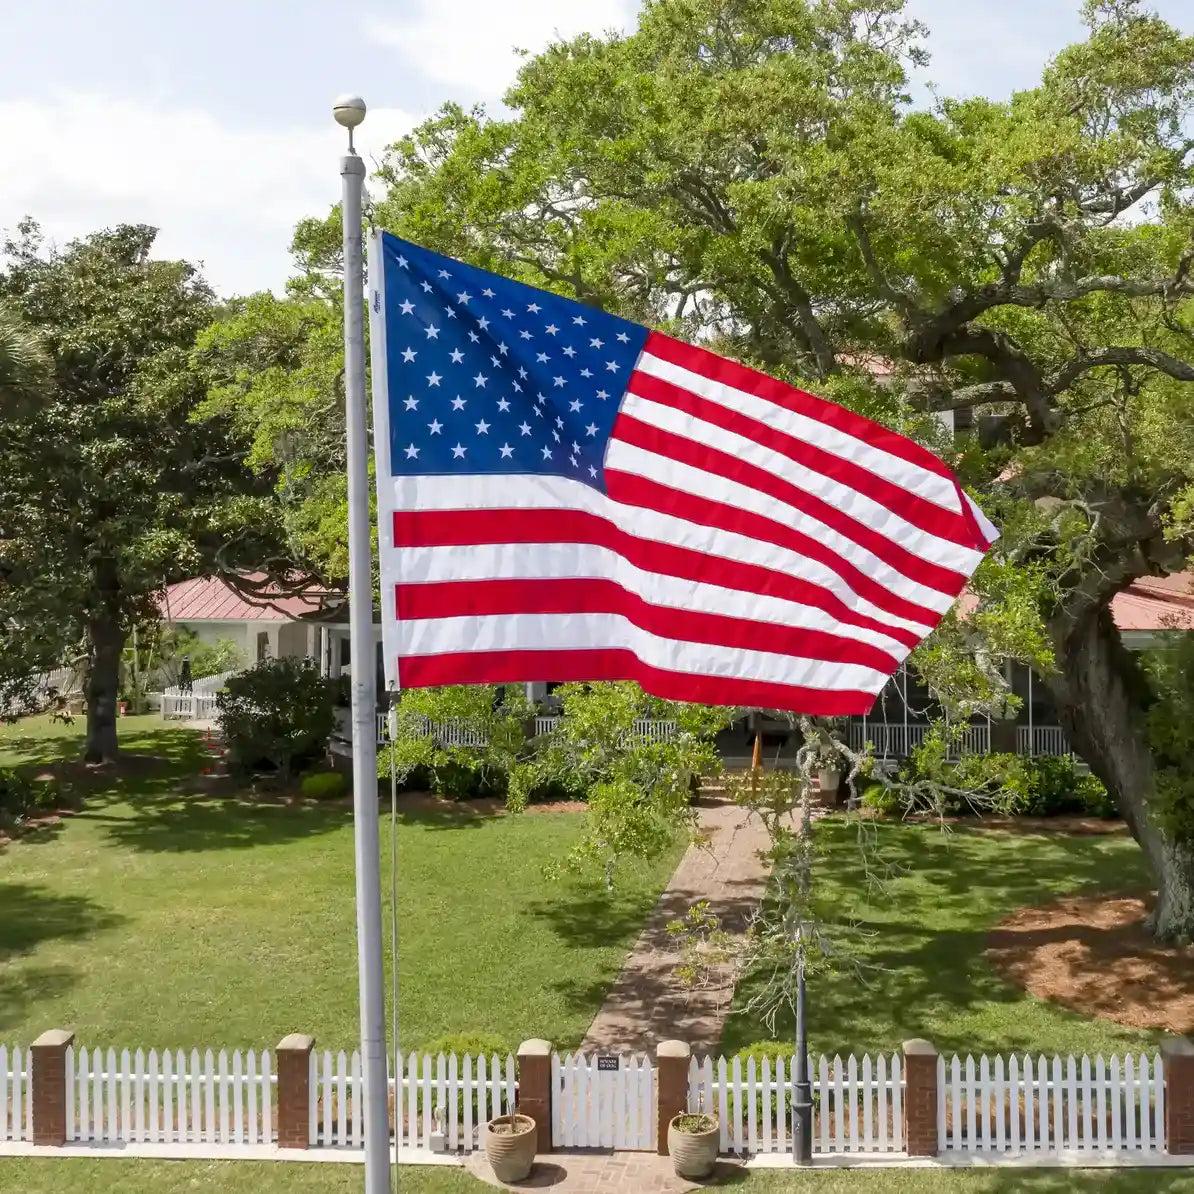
x=918 y=953
x=234 y=1177
x=161 y=919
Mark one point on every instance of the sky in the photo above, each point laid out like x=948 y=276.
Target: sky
x=213 y=121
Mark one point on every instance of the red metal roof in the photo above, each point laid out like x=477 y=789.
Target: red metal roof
x=1156 y=603
x=209 y=599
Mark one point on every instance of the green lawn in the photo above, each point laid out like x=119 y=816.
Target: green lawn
x=233 y=1177
x=161 y=919
x=919 y=951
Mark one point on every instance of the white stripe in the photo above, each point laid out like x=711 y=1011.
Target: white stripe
x=984 y=523
x=520 y=492
x=579 y=632
x=929 y=485
x=542 y=561
x=871 y=514
x=665 y=470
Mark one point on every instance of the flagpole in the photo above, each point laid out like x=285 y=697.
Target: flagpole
x=349 y=111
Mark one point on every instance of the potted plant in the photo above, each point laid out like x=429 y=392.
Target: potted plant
x=692 y=1141
x=510 y=1146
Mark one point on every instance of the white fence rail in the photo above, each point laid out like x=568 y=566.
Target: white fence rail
x=169 y=1098
x=197 y=705
x=1019 y=1106
x=1042 y=740
x=596 y=1107
x=16 y=1107
x=857 y=1106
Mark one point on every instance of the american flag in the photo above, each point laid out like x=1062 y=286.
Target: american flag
x=565 y=495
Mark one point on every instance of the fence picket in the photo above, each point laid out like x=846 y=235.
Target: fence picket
x=341 y=1097
x=84 y=1071
x=1116 y=1112
x=736 y=1079
x=897 y=1106
x=425 y=1093
x=453 y=1105
x=765 y=1126
x=1130 y=1103
x=561 y=1110
x=97 y=1094
x=412 y=1099
x=1087 y=1109
x=839 y=1108
x=999 y=1107
x=781 y=1107
x=752 y=1133
x=209 y=1097
x=823 y=1099
x=722 y=1098
x=167 y=1135
x=1071 y=1100
x=1144 y=1089
x=852 y=1102
x=251 y=1101
x=1158 y=1104
x=1013 y=1103
x=593 y=1107
x=195 y=1134
x=984 y=1109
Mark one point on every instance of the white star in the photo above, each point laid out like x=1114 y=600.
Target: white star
x=409 y=355
x=574 y=404
x=458 y=403
x=457 y=452
x=559 y=421
x=402 y=264
x=507 y=313
x=579 y=320
x=407 y=307
x=503 y=404
x=411 y=452
x=457 y=356
x=542 y=358
x=434 y=426
x=524 y=427
x=595 y=343
x=517 y=387
x=487 y=292
x=611 y=366
x=412 y=403
x=540 y=397
x=522 y=373
x=506 y=451
x=426 y=287
x=572 y=461
x=474 y=337
x=624 y=338
x=591 y=429
x=556 y=436
x=534 y=308
x=569 y=351
x=496 y=363
x=602 y=394
x=463 y=297
x=551 y=329
x=558 y=380
x=450 y=313
x=433 y=378
x=432 y=332
x=538 y=410
x=525 y=335
x=592 y=471
x=482 y=323
x=586 y=373
x=503 y=349
x=482 y=427
x=546 y=453
x=443 y=273
x=480 y=380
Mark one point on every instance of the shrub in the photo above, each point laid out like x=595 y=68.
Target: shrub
x=772 y=1051
x=473 y=1043
x=278 y=714
x=323 y=785
x=20 y=796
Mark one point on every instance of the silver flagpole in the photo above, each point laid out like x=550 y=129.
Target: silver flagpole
x=349 y=111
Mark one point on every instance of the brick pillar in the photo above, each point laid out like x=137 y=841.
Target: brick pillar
x=920 y=1099
x=1177 y=1057
x=534 y=1089
x=293 y=1057
x=49 y=1086
x=671 y=1087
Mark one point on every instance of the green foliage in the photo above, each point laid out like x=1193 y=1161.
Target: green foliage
x=176 y=643
x=474 y=1044
x=279 y=714
x=323 y=785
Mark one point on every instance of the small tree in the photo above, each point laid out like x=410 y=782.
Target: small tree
x=280 y=713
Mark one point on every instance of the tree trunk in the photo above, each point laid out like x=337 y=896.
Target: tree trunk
x=1097 y=692
x=105 y=645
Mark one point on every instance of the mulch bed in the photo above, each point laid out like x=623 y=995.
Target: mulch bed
x=1092 y=955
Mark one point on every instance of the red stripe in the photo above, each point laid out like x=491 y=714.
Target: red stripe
x=513 y=667
x=634 y=490
x=493 y=598
x=920 y=512
x=700 y=456
x=730 y=373
x=450 y=528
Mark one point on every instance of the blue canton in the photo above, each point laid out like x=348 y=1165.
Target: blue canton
x=487 y=375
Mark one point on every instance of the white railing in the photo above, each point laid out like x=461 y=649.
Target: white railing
x=438 y=1100
x=169 y=1098
x=857 y=1106
x=197 y=705
x=597 y=1107
x=546 y=723
x=16 y=1107
x=1042 y=740
x=1023 y=1107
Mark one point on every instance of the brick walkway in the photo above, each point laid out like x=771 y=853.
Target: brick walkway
x=601 y=1173
x=647 y=1004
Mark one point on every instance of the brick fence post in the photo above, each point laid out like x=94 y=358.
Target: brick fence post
x=1177 y=1057
x=294 y=1090
x=534 y=1089
x=671 y=1086
x=47 y=1073
x=920 y=1099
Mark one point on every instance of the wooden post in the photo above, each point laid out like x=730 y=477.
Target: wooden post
x=920 y=1099
x=47 y=1065
x=1177 y=1059
x=294 y=1091
x=671 y=1086
x=756 y=763
x=534 y=1089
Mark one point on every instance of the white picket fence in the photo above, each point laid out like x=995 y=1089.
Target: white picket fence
x=16 y=1107
x=598 y=1107
x=1019 y=1106
x=197 y=705
x=857 y=1106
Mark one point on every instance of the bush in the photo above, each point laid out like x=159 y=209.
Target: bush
x=473 y=1043
x=279 y=714
x=323 y=785
x=772 y=1051
x=21 y=796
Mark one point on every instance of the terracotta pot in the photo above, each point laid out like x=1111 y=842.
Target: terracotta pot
x=510 y=1152
x=693 y=1153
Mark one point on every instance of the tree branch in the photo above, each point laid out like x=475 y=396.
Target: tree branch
x=1119 y=355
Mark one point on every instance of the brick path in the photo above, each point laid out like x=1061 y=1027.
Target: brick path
x=647 y=1004
x=594 y=1172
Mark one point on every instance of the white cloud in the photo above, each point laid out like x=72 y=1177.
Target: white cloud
x=226 y=195
x=468 y=44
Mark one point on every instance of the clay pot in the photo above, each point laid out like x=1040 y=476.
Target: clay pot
x=693 y=1153
x=510 y=1146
